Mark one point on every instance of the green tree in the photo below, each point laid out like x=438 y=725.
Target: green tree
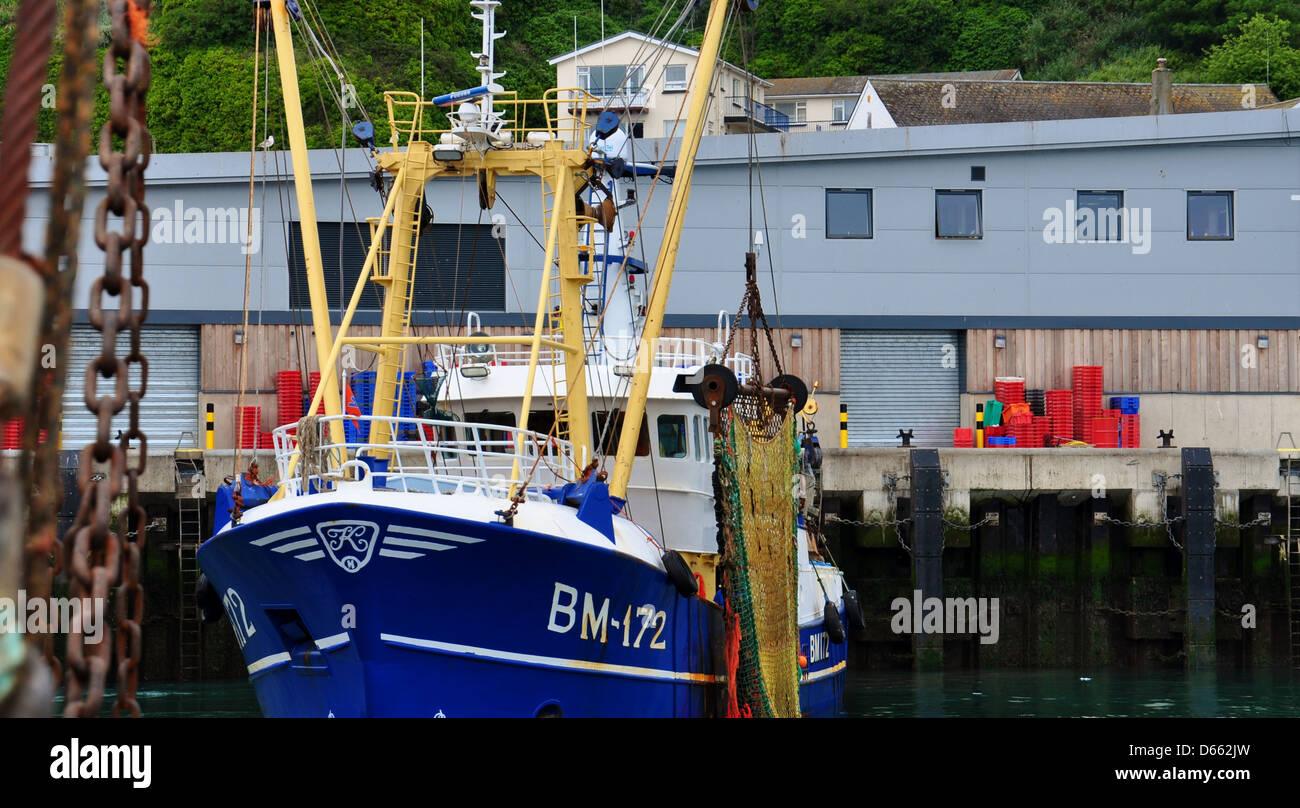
x=990 y=38
x=1261 y=52
x=1136 y=64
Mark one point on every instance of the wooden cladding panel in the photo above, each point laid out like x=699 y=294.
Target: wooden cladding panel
x=1139 y=360
x=272 y=348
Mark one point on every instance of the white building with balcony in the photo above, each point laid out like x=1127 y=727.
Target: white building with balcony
x=646 y=81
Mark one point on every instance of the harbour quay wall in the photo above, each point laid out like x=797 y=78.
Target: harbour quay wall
x=1097 y=557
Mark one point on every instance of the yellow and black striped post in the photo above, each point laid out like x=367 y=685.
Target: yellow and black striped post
x=211 y=426
x=844 y=426
x=979 y=426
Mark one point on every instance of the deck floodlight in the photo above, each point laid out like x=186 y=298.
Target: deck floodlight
x=448 y=152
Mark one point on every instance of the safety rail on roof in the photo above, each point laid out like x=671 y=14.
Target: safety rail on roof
x=432 y=456
x=560 y=114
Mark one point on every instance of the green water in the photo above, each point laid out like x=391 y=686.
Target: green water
x=953 y=694
x=213 y=699
x=1145 y=694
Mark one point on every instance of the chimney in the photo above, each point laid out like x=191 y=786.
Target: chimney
x=1161 y=89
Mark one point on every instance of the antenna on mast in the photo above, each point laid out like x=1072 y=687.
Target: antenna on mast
x=487 y=57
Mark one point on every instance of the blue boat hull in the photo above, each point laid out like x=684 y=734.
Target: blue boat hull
x=426 y=615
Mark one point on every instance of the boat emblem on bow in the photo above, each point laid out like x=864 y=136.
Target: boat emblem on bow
x=349 y=543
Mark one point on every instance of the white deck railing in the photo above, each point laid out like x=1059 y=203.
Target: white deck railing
x=671 y=352
x=433 y=457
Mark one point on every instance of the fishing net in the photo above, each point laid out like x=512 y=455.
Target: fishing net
x=756 y=460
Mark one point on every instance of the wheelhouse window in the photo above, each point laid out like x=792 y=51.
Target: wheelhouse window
x=605 y=434
x=1099 y=216
x=1209 y=216
x=672 y=435
x=848 y=213
x=498 y=440
x=958 y=214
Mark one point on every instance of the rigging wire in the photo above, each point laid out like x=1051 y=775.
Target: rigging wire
x=240 y=426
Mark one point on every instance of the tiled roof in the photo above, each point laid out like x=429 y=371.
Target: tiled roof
x=852 y=85
x=1288 y=104
x=921 y=103
x=824 y=85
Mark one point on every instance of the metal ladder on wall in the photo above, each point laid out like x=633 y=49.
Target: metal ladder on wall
x=191 y=495
x=1291 y=466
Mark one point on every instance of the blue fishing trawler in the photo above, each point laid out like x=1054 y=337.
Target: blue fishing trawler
x=557 y=557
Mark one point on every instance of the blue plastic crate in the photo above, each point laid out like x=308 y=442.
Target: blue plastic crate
x=363 y=392
x=1128 y=405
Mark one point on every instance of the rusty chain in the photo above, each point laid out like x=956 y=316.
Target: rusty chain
x=99 y=557
x=751 y=304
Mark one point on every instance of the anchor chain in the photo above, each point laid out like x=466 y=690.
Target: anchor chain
x=97 y=556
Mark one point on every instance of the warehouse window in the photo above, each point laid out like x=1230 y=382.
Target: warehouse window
x=958 y=214
x=1209 y=216
x=848 y=213
x=1099 y=216
x=458 y=266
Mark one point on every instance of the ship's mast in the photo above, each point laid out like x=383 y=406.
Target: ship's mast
x=487 y=56
x=320 y=315
x=667 y=258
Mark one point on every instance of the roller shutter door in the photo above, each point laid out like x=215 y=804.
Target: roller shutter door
x=894 y=380
x=170 y=405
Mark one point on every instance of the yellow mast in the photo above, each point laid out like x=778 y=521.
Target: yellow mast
x=320 y=315
x=557 y=160
x=668 y=251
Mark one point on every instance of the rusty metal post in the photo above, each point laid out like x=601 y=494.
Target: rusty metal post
x=23 y=688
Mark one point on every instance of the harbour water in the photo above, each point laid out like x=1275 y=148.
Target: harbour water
x=1159 y=694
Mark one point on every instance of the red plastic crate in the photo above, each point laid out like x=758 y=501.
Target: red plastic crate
x=1130 y=431
x=963 y=438
x=313 y=380
x=12 y=437
x=1105 y=433
x=288 y=397
x=1009 y=389
x=248 y=426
